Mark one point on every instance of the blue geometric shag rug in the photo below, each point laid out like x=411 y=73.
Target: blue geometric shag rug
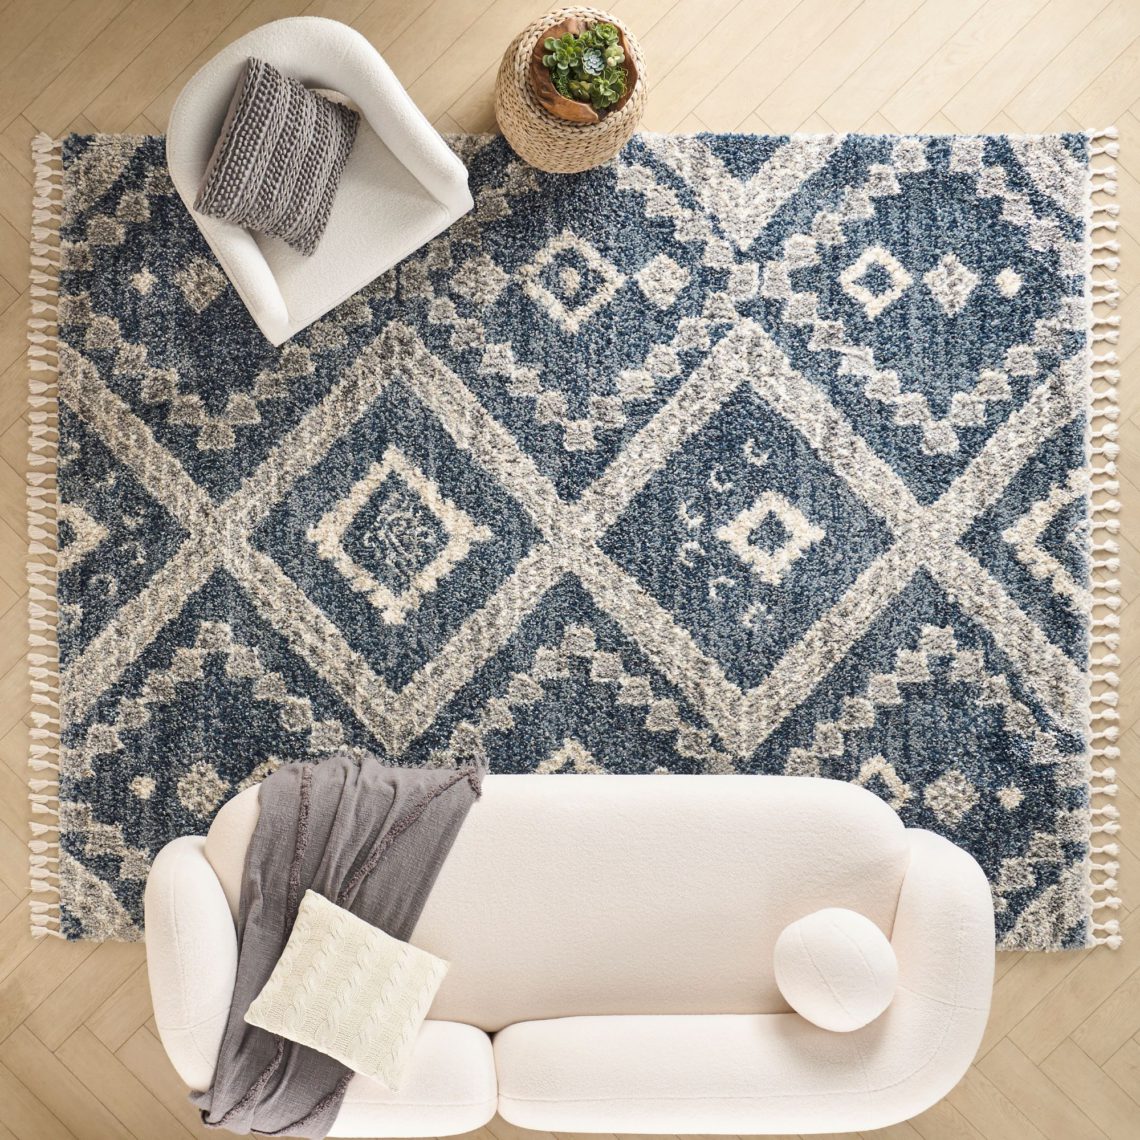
x=739 y=454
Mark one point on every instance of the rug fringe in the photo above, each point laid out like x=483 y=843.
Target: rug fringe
x=43 y=504
x=1104 y=819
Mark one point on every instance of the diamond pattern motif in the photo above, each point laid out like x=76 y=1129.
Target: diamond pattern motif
x=770 y=565
x=416 y=539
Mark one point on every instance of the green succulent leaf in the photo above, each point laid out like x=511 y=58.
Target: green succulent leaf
x=588 y=67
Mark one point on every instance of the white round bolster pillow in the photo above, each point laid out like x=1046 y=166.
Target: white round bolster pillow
x=836 y=969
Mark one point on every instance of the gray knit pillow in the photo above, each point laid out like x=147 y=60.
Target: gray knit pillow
x=278 y=159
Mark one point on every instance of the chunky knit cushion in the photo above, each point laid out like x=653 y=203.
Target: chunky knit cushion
x=347 y=989
x=278 y=159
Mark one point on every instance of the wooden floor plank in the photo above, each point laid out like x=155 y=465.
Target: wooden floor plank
x=863 y=93
x=118 y=1088
x=965 y=53
x=1083 y=1083
x=123 y=1011
x=58 y=1089
x=83 y=991
x=101 y=62
x=25 y=1115
x=56 y=47
x=1007 y=71
x=1032 y=1089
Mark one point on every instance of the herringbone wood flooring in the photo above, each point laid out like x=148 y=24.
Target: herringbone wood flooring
x=78 y=1052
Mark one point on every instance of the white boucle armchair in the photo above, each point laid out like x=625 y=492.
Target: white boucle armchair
x=401 y=186
x=611 y=943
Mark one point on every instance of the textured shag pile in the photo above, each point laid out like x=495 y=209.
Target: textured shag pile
x=742 y=453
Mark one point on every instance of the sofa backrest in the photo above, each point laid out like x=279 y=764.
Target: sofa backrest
x=587 y=894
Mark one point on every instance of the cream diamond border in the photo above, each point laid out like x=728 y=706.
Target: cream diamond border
x=770 y=566
x=875 y=303
x=462 y=532
x=571 y=319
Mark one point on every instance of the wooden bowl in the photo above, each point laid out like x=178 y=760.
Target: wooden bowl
x=552 y=100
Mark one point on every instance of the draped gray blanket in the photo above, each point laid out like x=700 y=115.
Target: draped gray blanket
x=372 y=839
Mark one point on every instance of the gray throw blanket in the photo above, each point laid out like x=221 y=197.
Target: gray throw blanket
x=370 y=838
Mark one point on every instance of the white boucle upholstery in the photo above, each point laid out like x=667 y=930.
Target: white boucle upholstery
x=401 y=186
x=781 y=848
x=836 y=968
x=616 y=936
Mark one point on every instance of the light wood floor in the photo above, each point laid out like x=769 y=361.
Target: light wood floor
x=78 y=1051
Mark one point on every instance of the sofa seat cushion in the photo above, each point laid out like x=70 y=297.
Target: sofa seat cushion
x=589 y=894
x=449 y=1087
x=836 y=968
x=730 y=1073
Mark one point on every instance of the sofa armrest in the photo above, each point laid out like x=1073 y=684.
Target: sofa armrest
x=191 y=957
x=943 y=934
x=943 y=938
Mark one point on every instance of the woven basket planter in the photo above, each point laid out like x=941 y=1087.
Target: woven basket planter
x=542 y=139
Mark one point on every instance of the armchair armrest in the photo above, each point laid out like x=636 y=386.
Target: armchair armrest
x=248 y=271
x=337 y=57
x=191 y=957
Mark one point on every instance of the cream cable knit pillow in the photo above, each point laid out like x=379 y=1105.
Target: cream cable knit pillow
x=347 y=989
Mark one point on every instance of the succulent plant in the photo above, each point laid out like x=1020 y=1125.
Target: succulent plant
x=588 y=66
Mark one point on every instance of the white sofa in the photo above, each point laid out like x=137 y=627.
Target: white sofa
x=401 y=186
x=611 y=945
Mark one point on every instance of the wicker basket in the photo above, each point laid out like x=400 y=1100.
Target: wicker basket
x=540 y=138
